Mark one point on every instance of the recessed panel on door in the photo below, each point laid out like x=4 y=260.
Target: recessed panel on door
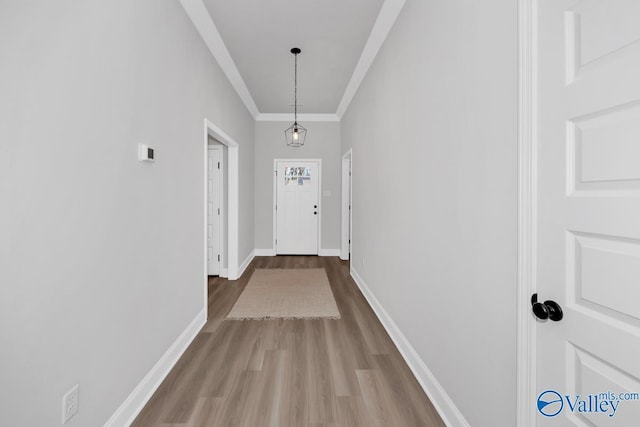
x=618 y=402
x=604 y=148
x=599 y=31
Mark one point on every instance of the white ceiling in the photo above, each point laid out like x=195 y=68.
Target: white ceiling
x=252 y=39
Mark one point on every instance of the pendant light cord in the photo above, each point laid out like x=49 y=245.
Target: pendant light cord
x=295 y=89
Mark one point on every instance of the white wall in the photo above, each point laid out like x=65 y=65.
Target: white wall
x=434 y=135
x=101 y=256
x=323 y=142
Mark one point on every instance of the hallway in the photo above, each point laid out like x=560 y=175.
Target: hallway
x=344 y=372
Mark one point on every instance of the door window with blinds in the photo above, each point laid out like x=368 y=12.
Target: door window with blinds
x=297 y=175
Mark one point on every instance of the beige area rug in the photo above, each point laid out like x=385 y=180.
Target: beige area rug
x=286 y=293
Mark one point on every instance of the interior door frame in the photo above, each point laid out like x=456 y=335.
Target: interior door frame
x=275 y=199
x=527 y=212
x=232 y=211
x=347 y=197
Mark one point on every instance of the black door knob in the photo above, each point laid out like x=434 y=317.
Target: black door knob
x=315 y=206
x=315 y=213
x=546 y=310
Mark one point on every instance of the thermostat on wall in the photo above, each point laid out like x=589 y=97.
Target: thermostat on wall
x=145 y=153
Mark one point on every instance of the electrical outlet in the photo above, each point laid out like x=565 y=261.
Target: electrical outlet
x=70 y=403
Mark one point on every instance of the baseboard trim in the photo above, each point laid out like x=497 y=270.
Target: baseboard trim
x=448 y=411
x=131 y=407
x=321 y=252
x=244 y=265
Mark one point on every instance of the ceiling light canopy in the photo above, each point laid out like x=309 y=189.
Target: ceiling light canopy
x=295 y=134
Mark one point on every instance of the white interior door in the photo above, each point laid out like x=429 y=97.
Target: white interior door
x=345 y=246
x=214 y=187
x=297 y=207
x=588 y=252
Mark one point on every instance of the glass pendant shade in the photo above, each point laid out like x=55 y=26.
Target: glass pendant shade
x=295 y=135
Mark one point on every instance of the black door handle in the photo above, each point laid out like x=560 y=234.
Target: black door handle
x=546 y=310
x=315 y=206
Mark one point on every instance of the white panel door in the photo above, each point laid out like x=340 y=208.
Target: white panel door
x=214 y=188
x=297 y=207
x=345 y=246
x=588 y=254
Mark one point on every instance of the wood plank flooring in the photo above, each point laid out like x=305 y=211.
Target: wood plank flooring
x=297 y=373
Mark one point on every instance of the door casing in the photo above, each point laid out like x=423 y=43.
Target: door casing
x=527 y=214
x=232 y=209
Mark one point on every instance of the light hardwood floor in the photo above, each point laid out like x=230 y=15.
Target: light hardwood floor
x=296 y=373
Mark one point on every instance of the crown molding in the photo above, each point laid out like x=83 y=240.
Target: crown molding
x=201 y=18
x=386 y=18
x=288 y=117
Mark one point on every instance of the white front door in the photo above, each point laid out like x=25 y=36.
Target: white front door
x=214 y=187
x=588 y=239
x=297 y=207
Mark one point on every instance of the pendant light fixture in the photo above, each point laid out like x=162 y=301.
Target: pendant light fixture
x=295 y=134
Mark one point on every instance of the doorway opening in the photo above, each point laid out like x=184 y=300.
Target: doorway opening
x=229 y=208
x=345 y=240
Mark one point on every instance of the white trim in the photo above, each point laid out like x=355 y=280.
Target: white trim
x=329 y=252
x=347 y=196
x=265 y=252
x=244 y=265
x=287 y=117
x=527 y=214
x=133 y=404
x=232 y=199
x=275 y=199
x=321 y=252
x=224 y=252
x=386 y=18
x=201 y=18
x=441 y=401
